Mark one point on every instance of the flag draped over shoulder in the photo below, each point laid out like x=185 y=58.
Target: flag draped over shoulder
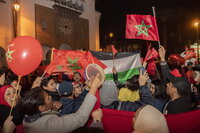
x=141 y=27
x=71 y=61
x=126 y=63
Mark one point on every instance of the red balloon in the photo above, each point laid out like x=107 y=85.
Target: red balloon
x=23 y=55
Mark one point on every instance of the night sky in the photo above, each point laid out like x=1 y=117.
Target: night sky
x=174 y=18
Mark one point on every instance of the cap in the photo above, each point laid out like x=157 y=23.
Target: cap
x=182 y=85
x=65 y=88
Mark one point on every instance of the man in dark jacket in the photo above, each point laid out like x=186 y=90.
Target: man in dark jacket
x=178 y=88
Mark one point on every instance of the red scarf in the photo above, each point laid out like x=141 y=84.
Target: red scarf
x=2 y=93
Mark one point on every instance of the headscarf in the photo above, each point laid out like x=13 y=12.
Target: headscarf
x=2 y=93
x=108 y=93
x=150 y=120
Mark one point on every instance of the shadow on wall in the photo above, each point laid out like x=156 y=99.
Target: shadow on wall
x=3 y=63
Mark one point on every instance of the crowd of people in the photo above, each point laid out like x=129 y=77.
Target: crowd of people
x=52 y=104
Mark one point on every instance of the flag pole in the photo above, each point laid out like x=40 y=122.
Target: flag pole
x=17 y=94
x=154 y=14
x=113 y=60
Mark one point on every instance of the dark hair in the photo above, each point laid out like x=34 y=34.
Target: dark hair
x=29 y=104
x=160 y=89
x=2 y=72
x=45 y=81
x=89 y=130
x=133 y=83
x=77 y=73
x=10 y=78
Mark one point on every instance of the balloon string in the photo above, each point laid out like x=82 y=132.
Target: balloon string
x=17 y=93
x=43 y=74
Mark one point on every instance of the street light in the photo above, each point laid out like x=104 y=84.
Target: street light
x=196 y=25
x=110 y=35
x=16 y=8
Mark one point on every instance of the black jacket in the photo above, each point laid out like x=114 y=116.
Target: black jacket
x=4 y=113
x=179 y=105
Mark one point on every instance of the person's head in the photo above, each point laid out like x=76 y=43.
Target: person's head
x=133 y=83
x=158 y=89
x=77 y=76
x=178 y=86
x=65 y=89
x=35 y=101
x=7 y=95
x=196 y=74
x=149 y=120
x=77 y=89
x=48 y=84
x=12 y=79
x=108 y=92
x=2 y=77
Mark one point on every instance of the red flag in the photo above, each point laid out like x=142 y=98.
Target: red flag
x=141 y=27
x=151 y=68
x=189 y=55
x=148 y=55
x=71 y=61
x=154 y=53
x=176 y=73
x=151 y=54
x=114 y=50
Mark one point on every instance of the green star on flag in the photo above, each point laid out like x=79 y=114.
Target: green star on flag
x=9 y=55
x=73 y=64
x=143 y=29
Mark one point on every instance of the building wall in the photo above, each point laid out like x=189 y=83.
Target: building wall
x=97 y=38
x=6 y=23
x=26 y=20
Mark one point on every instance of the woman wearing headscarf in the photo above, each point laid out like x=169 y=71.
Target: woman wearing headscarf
x=148 y=119
x=7 y=94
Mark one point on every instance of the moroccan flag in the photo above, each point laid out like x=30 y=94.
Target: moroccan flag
x=141 y=27
x=151 y=54
x=114 y=50
x=71 y=61
x=127 y=64
x=189 y=55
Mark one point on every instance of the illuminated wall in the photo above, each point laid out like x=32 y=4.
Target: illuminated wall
x=26 y=20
